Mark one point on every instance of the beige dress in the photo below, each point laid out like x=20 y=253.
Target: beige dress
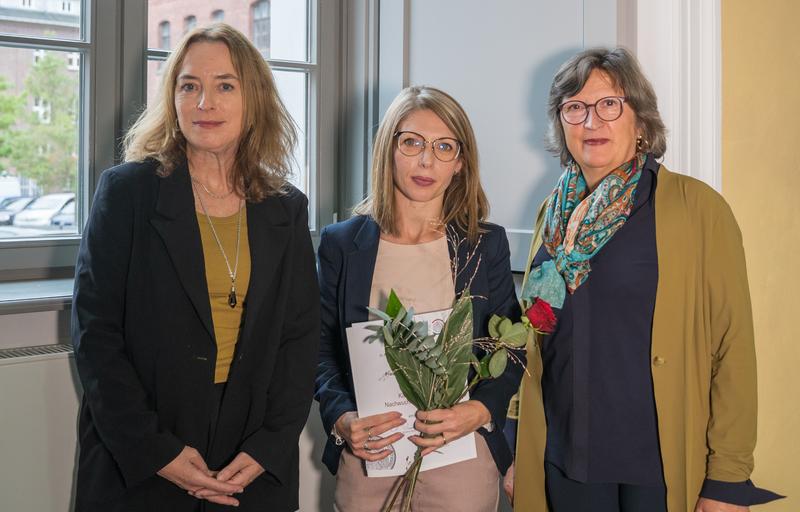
x=420 y=274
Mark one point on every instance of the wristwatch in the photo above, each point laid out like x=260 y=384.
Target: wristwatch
x=337 y=439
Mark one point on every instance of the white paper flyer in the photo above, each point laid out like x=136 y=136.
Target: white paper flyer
x=377 y=392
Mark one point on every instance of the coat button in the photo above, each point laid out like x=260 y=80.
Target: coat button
x=659 y=361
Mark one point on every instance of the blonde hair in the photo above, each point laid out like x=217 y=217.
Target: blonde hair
x=465 y=202
x=263 y=158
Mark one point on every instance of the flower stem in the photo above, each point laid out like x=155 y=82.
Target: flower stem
x=413 y=473
x=406 y=485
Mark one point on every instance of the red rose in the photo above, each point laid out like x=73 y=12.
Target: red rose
x=541 y=316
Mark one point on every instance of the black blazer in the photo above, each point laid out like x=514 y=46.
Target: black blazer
x=346 y=256
x=145 y=348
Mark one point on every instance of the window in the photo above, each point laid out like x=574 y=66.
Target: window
x=42 y=108
x=73 y=61
x=189 y=22
x=57 y=132
x=218 y=16
x=260 y=31
x=163 y=35
x=296 y=73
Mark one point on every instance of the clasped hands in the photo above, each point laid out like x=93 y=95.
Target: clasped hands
x=189 y=472
x=438 y=427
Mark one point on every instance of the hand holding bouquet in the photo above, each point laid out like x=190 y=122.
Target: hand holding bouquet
x=432 y=371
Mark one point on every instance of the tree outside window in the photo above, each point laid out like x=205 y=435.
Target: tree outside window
x=41 y=143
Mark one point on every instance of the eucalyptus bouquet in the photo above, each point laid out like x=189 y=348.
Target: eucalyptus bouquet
x=432 y=370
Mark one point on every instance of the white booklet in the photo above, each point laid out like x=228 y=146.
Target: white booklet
x=377 y=392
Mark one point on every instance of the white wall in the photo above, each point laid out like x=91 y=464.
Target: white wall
x=498 y=59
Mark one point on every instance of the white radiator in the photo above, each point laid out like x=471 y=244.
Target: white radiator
x=39 y=401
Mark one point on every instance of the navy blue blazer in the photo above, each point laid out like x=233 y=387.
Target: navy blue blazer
x=145 y=348
x=346 y=257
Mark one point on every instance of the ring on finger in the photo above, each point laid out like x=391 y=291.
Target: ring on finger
x=444 y=439
x=366 y=448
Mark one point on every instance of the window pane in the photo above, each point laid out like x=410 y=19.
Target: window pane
x=41 y=18
x=189 y=23
x=39 y=123
x=155 y=68
x=292 y=87
x=277 y=27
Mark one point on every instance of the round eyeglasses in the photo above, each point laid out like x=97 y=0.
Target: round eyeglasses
x=607 y=109
x=445 y=149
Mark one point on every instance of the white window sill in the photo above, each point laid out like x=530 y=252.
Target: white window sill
x=32 y=296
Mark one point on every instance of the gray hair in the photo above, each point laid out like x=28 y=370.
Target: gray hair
x=624 y=71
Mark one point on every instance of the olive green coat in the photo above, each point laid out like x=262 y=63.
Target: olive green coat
x=703 y=358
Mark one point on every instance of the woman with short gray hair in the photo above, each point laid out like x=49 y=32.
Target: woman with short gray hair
x=648 y=382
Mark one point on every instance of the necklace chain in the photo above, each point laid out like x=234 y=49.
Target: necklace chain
x=215 y=196
x=231 y=272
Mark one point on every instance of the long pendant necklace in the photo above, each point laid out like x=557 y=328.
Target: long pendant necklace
x=215 y=196
x=231 y=272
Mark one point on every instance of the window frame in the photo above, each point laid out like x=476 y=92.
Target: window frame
x=113 y=90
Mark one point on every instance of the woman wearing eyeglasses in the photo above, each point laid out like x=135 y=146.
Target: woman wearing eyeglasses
x=425 y=182
x=648 y=383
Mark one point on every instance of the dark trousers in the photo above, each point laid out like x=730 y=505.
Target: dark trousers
x=566 y=495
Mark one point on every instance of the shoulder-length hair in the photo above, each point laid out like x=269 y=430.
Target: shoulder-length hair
x=465 y=203
x=263 y=158
x=624 y=71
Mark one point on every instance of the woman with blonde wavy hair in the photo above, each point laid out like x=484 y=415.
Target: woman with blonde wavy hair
x=425 y=183
x=195 y=313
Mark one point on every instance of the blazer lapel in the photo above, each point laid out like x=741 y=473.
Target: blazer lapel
x=360 y=267
x=269 y=234
x=176 y=223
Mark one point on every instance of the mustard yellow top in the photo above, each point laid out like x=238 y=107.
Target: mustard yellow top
x=226 y=320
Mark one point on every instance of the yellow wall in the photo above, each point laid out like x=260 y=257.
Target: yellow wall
x=761 y=181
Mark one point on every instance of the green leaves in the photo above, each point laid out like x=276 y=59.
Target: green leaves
x=456 y=340
x=393 y=305
x=494 y=324
x=432 y=370
x=516 y=335
x=513 y=334
x=498 y=362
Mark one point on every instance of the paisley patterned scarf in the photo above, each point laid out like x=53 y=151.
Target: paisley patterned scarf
x=578 y=224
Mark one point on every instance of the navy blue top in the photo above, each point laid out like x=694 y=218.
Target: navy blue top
x=597 y=386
